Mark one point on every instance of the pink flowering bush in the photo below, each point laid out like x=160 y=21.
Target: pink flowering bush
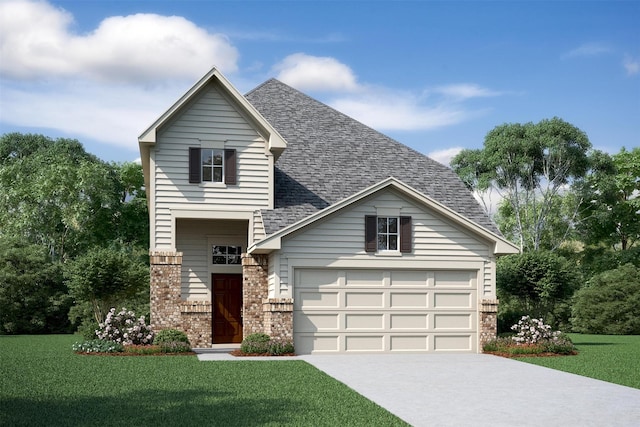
x=532 y=331
x=124 y=328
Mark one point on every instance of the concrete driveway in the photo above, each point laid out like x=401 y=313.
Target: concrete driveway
x=481 y=390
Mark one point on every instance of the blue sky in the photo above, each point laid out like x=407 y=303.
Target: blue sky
x=436 y=76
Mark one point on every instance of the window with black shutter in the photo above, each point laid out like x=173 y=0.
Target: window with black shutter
x=388 y=234
x=212 y=165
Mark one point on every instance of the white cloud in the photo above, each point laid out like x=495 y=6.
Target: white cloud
x=631 y=65
x=120 y=115
x=398 y=112
x=444 y=156
x=37 y=42
x=306 y=72
x=588 y=49
x=462 y=91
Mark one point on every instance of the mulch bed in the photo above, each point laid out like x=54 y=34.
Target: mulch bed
x=238 y=353
x=512 y=356
x=190 y=353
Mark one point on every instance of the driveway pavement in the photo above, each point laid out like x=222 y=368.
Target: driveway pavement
x=475 y=390
x=481 y=390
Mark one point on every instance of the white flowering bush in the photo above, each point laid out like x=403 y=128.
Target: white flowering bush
x=531 y=331
x=124 y=328
x=97 y=346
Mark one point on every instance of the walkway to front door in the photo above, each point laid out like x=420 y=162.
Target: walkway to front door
x=227 y=308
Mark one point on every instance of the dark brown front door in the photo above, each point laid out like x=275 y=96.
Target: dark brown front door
x=227 y=308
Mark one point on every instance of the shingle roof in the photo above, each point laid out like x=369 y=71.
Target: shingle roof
x=331 y=156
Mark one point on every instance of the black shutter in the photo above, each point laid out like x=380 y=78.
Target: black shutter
x=230 y=167
x=405 y=234
x=371 y=233
x=195 y=165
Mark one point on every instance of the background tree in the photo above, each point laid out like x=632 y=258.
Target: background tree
x=610 y=207
x=33 y=297
x=529 y=165
x=610 y=303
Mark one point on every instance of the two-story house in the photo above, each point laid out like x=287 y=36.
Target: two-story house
x=275 y=213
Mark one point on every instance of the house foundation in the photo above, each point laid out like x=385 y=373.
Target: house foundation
x=488 y=321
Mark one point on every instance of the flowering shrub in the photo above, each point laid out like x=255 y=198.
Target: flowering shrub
x=264 y=344
x=532 y=331
x=125 y=328
x=97 y=346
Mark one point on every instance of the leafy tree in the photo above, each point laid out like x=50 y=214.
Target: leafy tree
x=529 y=165
x=611 y=201
x=54 y=194
x=537 y=283
x=33 y=298
x=610 y=303
x=106 y=277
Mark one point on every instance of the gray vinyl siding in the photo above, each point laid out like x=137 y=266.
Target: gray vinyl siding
x=208 y=119
x=340 y=237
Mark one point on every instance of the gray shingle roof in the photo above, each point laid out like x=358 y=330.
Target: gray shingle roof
x=331 y=156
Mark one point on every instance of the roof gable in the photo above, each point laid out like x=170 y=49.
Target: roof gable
x=330 y=156
x=276 y=142
x=501 y=245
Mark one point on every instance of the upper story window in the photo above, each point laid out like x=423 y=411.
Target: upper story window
x=388 y=234
x=212 y=165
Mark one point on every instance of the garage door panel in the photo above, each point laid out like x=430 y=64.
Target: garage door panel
x=364 y=343
x=452 y=321
x=452 y=300
x=364 y=321
x=409 y=321
x=408 y=300
x=316 y=278
x=308 y=343
x=452 y=342
x=316 y=322
x=454 y=279
x=367 y=278
x=309 y=299
x=408 y=343
x=409 y=278
x=364 y=299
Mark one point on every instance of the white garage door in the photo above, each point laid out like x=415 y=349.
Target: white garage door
x=337 y=311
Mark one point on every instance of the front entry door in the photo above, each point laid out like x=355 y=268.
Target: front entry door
x=227 y=308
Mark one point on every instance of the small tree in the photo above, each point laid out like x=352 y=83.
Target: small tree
x=539 y=283
x=610 y=303
x=105 y=278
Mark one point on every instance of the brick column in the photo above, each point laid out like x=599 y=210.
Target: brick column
x=278 y=318
x=255 y=287
x=488 y=321
x=166 y=272
x=197 y=319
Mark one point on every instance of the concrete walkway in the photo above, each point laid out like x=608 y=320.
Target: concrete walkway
x=475 y=390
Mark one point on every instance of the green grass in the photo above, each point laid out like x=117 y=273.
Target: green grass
x=42 y=382
x=612 y=358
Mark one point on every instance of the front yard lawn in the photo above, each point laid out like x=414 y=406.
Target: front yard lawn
x=612 y=358
x=42 y=382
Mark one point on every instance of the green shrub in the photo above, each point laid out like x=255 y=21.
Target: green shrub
x=170 y=336
x=255 y=343
x=278 y=348
x=88 y=329
x=175 y=347
x=97 y=346
x=610 y=303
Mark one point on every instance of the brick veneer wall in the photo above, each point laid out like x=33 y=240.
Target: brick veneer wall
x=255 y=287
x=168 y=310
x=278 y=318
x=488 y=320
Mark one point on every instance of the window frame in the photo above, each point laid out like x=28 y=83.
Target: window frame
x=226 y=255
x=405 y=234
x=229 y=167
